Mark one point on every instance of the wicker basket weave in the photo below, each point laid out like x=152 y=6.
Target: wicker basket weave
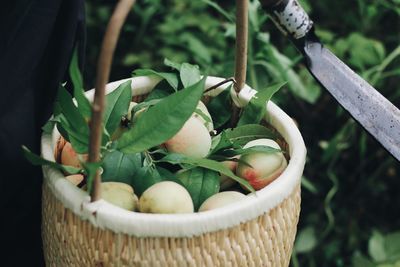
x=264 y=241
x=258 y=231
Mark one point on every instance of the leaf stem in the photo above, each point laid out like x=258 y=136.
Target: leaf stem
x=231 y=79
x=103 y=73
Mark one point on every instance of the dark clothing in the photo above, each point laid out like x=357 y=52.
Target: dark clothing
x=36 y=43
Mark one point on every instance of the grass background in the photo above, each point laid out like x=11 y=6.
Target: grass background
x=350 y=202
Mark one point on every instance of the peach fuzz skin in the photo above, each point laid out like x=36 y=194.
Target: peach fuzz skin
x=70 y=158
x=257 y=181
x=192 y=140
x=265 y=168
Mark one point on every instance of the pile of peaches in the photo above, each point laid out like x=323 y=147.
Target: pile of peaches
x=194 y=140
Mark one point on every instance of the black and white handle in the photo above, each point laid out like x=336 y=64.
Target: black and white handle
x=289 y=17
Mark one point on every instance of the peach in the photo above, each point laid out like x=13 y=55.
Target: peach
x=117 y=185
x=119 y=194
x=166 y=197
x=221 y=200
x=209 y=124
x=225 y=181
x=70 y=158
x=193 y=140
x=264 y=167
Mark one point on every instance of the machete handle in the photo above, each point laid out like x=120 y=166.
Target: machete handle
x=289 y=17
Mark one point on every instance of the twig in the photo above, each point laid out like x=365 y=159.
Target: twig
x=241 y=53
x=103 y=73
x=219 y=84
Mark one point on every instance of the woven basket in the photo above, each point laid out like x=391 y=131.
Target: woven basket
x=258 y=231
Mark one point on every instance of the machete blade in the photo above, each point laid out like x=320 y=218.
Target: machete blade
x=372 y=110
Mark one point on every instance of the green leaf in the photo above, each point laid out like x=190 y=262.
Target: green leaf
x=219 y=9
x=376 y=247
x=129 y=169
x=219 y=108
x=253 y=149
x=72 y=121
x=363 y=51
x=166 y=175
x=307 y=184
x=120 y=167
x=158 y=93
x=199 y=50
x=62 y=131
x=78 y=141
x=117 y=105
x=145 y=104
x=172 y=64
x=163 y=120
x=175 y=158
x=79 y=94
x=71 y=112
x=220 y=142
x=189 y=74
x=246 y=133
x=283 y=66
x=359 y=260
x=204 y=116
x=144 y=178
x=57 y=108
x=38 y=161
x=255 y=110
x=392 y=246
x=171 y=78
x=201 y=184
x=50 y=124
x=306 y=240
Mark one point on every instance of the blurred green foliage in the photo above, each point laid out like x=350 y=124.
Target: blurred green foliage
x=350 y=200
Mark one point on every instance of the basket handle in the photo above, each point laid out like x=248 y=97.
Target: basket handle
x=242 y=27
x=103 y=73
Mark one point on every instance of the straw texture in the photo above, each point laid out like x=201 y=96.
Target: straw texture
x=264 y=241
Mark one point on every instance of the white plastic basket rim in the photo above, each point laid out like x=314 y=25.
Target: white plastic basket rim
x=107 y=216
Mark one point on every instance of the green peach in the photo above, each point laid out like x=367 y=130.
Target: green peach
x=166 y=197
x=117 y=185
x=193 y=140
x=119 y=194
x=264 y=167
x=221 y=200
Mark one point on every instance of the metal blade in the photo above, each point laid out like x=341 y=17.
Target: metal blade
x=372 y=110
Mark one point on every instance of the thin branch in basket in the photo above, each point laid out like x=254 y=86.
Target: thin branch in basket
x=103 y=72
x=241 y=53
x=231 y=79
